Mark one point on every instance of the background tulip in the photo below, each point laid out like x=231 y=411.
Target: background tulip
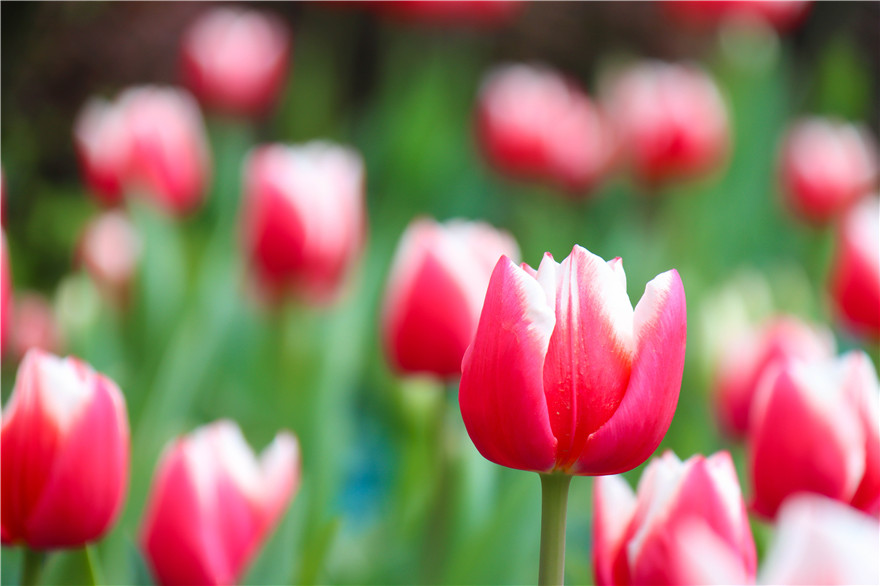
x=236 y=60
x=5 y=293
x=563 y=375
x=65 y=445
x=435 y=292
x=687 y=525
x=303 y=217
x=35 y=325
x=814 y=429
x=826 y=166
x=780 y=14
x=109 y=250
x=213 y=502
x=102 y=146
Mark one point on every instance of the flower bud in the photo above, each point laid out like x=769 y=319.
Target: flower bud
x=102 y=146
x=109 y=249
x=35 y=326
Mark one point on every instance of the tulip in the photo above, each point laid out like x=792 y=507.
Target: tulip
x=534 y=124
x=820 y=541
x=303 y=217
x=65 y=445
x=855 y=272
x=235 y=60
x=5 y=293
x=109 y=250
x=35 y=326
x=435 y=292
x=670 y=120
x=814 y=428
x=749 y=356
x=687 y=524
x=102 y=146
x=213 y=503
x=825 y=167
x=782 y=15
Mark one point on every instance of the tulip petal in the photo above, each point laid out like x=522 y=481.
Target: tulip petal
x=280 y=468
x=613 y=510
x=861 y=388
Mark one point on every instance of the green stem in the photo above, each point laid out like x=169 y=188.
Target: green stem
x=32 y=564
x=93 y=565
x=554 y=499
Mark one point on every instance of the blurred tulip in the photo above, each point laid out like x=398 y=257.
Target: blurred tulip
x=102 y=146
x=35 y=326
x=534 y=124
x=213 y=503
x=435 y=292
x=687 y=525
x=782 y=15
x=304 y=218
x=109 y=249
x=855 y=270
x=820 y=541
x=450 y=12
x=749 y=356
x=814 y=428
x=826 y=166
x=235 y=60
x=5 y=294
x=563 y=375
x=65 y=446
x=670 y=120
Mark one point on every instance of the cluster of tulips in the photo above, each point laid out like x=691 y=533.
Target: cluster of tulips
x=560 y=374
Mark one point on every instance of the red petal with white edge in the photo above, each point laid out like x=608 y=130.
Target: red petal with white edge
x=280 y=467
x=501 y=394
x=700 y=556
x=643 y=416
x=614 y=504
x=861 y=388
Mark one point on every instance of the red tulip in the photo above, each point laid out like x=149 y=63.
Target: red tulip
x=35 y=325
x=670 y=119
x=820 y=541
x=213 y=503
x=687 y=525
x=235 y=60
x=826 y=166
x=435 y=292
x=855 y=272
x=535 y=124
x=780 y=14
x=303 y=217
x=65 y=454
x=102 y=146
x=814 y=428
x=109 y=249
x=749 y=356
x=5 y=293
x=563 y=375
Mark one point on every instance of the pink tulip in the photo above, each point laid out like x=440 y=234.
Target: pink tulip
x=563 y=375
x=782 y=15
x=814 y=428
x=5 y=293
x=235 y=60
x=435 y=292
x=213 y=503
x=102 y=146
x=855 y=272
x=749 y=356
x=535 y=124
x=687 y=525
x=109 y=250
x=821 y=541
x=670 y=120
x=825 y=167
x=65 y=454
x=303 y=217
x=35 y=326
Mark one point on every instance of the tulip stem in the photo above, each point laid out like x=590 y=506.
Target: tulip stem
x=32 y=564
x=554 y=500
x=93 y=565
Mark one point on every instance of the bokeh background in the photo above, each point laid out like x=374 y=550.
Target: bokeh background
x=375 y=505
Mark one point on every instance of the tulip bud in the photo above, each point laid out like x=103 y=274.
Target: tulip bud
x=5 y=293
x=749 y=356
x=303 y=217
x=102 y=146
x=782 y=15
x=814 y=428
x=564 y=376
x=820 y=541
x=435 y=292
x=213 y=503
x=534 y=124
x=235 y=61
x=826 y=166
x=670 y=120
x=109 y=250
x=687 y=525
x=65 y=454
x=35 y=326
x=855 y=272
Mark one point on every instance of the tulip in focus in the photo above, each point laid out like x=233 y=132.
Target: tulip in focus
x=65 y=445
x=815 y=427
x=687 y=524
x=750 y=355
x=825 y=167
x=35 y=326
x=213 y=503
x=435 y=292
x=855 y=270
x=109 y=250
x=534 y=124
x=5 y=294
x=236 y=61
x=821 y=541
x=670 y=119
x=304 y=217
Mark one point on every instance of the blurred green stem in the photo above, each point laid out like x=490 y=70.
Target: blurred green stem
x=93 y=565
x=32 y=564
x=554 y=500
